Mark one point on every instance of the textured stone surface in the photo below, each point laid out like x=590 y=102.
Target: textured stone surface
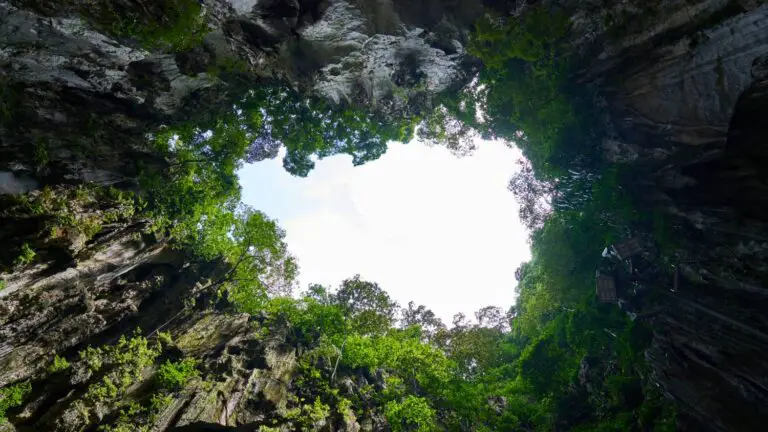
x=82 y=92
x=683 y=90
x=682 y=84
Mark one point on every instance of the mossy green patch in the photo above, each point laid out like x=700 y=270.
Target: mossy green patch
x=41 y=156
x=124 y=361
x=175 y=375
x=171 y=25
x=25 y=257
x=59 y=364
x=13 y=396
x=71 y=212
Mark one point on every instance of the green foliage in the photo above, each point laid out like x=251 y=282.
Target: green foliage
x=13 y=396
x=127 y=420
x=25 y=257
x=41 y=154
x=165 y=338
x=309 y=318
x=196 y=202
x=59 y=364
x=314 y=413
x=71 y=212
x=529 y=37
x=429 y=325
x=137 y=417
x=228 y=65
x=561 y=326
x=313 y=127
x=509 y=371
x=452 y=123
x=482 y=376
x=350 y=329
x=307 y=416
x=665 y=234
x=473 y=348
x=523 y=91
x=259 y=259
x=200 y=183
x=368 y=308
x=93 y=358
x=546 y=364
x=401 y=352
x=412 y=414
x=175 y=25
x=175 y=375
x=344 y=408
x=358 y=307
x=557 y=321
x=121 y=364
x=158 y=402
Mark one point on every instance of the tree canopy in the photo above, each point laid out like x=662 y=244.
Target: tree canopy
x=519 y=369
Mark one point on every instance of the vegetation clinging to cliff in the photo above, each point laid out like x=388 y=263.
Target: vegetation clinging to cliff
x=173 y=25
x=13 y=396
x=197 y=199
x=523 y=90
x=510 y=371
x=575 y=205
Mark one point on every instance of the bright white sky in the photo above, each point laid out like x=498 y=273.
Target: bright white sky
x=425 y=225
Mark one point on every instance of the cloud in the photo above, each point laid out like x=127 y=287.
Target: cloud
x=425 y=225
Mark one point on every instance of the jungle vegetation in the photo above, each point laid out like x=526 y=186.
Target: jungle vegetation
x=517 y=369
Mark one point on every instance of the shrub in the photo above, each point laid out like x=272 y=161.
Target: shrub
x=26 y=256
x=135 y=417
x=413 y=413
x=125 y=361
x=13 y=396
x=175 y=25
x=174 y=375
x=316 y=412
x=165 y=338
x=59 y=364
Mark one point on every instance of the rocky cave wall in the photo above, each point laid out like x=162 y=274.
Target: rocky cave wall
x=86 y=293
x=77 y=103
x=83 y=99
x=682 y=85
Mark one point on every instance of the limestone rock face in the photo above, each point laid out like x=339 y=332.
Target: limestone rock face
x=76 y=303
x=90 y=97
x=77 y=101
x=682 y=85
x=358 y=52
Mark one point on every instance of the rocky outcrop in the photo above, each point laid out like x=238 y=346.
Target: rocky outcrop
x=683 y=89
x=83 y=97
x=682 y=86
x=91 y=323
x=80 y=91
x=247 y=380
